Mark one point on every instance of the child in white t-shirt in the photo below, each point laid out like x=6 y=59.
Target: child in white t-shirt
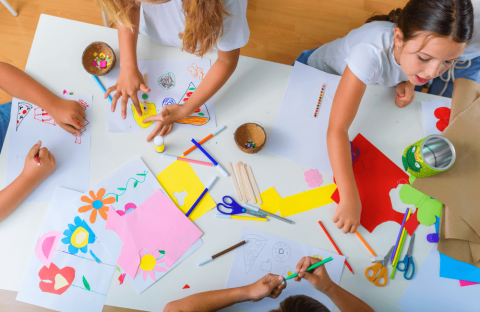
x=405 y=48
x=195 y=26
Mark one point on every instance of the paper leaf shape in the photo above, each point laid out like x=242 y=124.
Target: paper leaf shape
x=85 y=283
x=428 y=208
x=46 y=246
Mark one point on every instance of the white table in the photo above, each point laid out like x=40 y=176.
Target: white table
x=253 y=94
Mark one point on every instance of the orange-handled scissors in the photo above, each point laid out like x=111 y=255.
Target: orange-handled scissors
x=379 y=271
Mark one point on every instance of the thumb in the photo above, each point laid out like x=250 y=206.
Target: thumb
x=276 y=281
x=35 y=149
x=144 y=88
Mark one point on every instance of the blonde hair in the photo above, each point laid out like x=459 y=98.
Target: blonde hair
x=203 y=21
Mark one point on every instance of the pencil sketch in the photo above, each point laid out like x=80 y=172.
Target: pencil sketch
x=281 y=252
x=252 y=249
x=167 y=81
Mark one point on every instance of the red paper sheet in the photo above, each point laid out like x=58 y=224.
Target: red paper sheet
x=375 y=176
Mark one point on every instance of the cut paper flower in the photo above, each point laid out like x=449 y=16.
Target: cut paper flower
x=313 y=178
x=45 y=248
x=96 y=203
x=150 y=263
x=78 y=236
x=54 y=280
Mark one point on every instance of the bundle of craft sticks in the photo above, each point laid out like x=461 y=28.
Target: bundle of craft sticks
x=246 y=187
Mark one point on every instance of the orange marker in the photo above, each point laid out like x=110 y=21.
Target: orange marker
x=365 y=243
x=208 y=137
x=334 y=245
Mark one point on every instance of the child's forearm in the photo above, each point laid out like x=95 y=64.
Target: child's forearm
x=216 y=77
x=209 y=301
x=345 y=301
x=127 y=40
x=20 y=85
x=14 y=194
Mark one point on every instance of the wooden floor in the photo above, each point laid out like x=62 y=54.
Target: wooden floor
x=279 y=31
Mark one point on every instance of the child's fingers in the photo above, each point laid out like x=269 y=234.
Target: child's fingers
x=152 y=118
x=169 y=128
x=70 y=129
x=136 y=103
x=115 y=98
x=164 y=130
x=34 y=150
x=353 y=228
x=43 y=153
x=144 y=88
x=154 y=132
x=124 y=106
x=346 y=228
x=340 y=224
x=109 y=90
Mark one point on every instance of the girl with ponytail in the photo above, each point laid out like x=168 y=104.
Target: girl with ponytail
x=195 y=26
x=406 y=48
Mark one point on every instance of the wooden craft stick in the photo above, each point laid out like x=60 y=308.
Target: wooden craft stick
x=248 y=186
x=234 y=180
x=240 y=183
x=254 y=183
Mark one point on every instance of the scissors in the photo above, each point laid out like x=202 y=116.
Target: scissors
x=230 y=203
x=381 y=268
x=407 y=262
x=355 y=152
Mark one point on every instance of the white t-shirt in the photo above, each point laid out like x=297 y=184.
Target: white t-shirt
x=163 y=22
x=473 y=48
x=368 y=52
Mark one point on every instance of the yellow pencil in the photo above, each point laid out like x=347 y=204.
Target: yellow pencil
x=397 y=253
x=218 y=215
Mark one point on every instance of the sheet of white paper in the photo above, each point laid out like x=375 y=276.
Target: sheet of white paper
x=429 y=119
x=429 y=292
x=170 y=81
x=28 y=124
x=140 y=285
x=296 y=134
x=60 y=217
x=267 y=253
x=131 y=185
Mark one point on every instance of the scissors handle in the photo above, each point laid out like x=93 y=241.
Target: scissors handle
x=410 y=265
x=374 y=268
x=233 y=210
x=383 y=274
x=402 y=266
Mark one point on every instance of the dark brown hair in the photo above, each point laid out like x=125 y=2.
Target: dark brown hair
x=301 y=303
x=443 y=18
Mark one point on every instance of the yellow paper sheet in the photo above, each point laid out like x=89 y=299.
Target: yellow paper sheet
x=298 y=203
x=179 y=177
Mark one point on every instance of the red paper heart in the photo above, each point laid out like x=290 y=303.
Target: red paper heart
x=443 y=114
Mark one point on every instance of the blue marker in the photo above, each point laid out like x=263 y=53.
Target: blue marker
x=216 y=164
x=102 y=87
x=209 y=186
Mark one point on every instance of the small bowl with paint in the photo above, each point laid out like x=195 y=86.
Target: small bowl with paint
x=98 y=58
x=250 y=138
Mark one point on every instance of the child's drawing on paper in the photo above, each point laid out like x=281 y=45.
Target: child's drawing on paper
x=281 y=252
x=23 y=110
x=196 y=71
x=252 y=249
x=167 y=81
x=436 y=116
x=201 y=116
x=148 y=110
x=43 y=116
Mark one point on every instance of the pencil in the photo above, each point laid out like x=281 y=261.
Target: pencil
x=313 y=266
x=187 y=160
x=365 y=243
x=399 y=235
x=221 y=215
x=208 y=137
x=221 y=253
x=399 y=249
x=334 y=245
x=102 y=87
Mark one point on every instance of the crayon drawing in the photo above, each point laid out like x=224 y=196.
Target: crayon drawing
x=196 y=71
x=167 y=81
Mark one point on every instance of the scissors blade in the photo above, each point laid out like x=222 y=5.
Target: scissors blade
x=387 y=257
x=410 y=247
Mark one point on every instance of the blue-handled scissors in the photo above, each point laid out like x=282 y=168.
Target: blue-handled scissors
x=407 y=262
x=230 y=203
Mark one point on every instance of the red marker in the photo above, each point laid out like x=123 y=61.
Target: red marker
x=37 y=159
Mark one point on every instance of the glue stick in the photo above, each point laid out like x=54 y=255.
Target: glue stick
x=159 y=144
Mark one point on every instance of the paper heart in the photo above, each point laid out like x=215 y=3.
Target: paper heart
x=428 y=208
x=443 y=114
x=54 y=280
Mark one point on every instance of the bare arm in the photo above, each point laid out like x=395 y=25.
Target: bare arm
x=68 y=114
x=268 y=286
x=216 y=77
x=344 y=108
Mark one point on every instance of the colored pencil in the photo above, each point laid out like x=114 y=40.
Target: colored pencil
x=216 y=164
x=399 y=234
x=102 y=87
x=313 y=266
x=188 y=160
x=201 y=196
x=225 y=216
x=208 y=137
x=335 y=245
x=221 y=253
x=365 y=243
x=399 y=250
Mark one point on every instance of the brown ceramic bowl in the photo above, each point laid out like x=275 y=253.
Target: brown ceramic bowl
x=88 y=58
x=250 y=131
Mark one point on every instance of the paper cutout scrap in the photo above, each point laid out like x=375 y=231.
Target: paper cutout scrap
x=178 y=177
x=186 y=286
x=151 y=111
x=156 y=222
x=45 y=248
x=128 y=208
x=443 y=114
x=78 y=236
x=150 y=263
x=121 y=278
x=23 y=110
x=97 y=204
x=467 y=283
x=412 y=223
x=458 y=270
x=375 y=176
x=313 y=178
x=298 y=203
x=85 y=283
x=54 y=280
x=428 y=208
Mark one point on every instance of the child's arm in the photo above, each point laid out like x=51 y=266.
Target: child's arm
x=268 y=286
x=345 y=301
x=344 y=108
x=31 y=176
x=68 y=114
x=130 y=79
x=216 y=77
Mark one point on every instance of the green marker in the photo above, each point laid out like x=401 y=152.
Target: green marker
x=313 y=266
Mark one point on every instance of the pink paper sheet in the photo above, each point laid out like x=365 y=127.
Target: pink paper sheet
x=155 y=224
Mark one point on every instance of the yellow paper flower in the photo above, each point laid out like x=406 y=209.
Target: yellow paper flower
x=96 y=203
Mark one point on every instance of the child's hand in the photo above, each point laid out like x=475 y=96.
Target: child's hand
x=165 y=120
x=347 y=215
x=127 y=86
x=318 y=278
x=32 y=171
x=69 y=115
x=405 y=94
x=268 y=286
